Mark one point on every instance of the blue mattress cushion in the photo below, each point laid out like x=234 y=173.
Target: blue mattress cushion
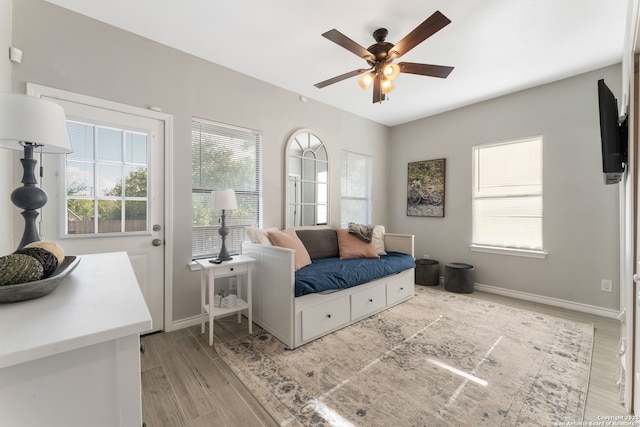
x=333 y=273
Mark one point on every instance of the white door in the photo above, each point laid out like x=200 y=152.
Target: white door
x=110 y=192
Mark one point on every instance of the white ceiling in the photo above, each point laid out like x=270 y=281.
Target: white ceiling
x=496 y=46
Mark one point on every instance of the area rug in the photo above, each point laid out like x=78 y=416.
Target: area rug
x=439 y=359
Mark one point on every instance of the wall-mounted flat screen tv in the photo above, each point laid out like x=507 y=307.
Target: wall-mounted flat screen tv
x=613 y=135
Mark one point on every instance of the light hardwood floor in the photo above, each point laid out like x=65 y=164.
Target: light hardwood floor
x=186 y=384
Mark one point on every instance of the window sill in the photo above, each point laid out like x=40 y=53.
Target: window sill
x=509 y=251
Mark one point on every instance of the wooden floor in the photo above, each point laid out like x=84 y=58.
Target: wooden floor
x=185 y=383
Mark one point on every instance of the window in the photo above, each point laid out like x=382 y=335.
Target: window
x=106 y=180
x=224 y=157
x=507 y=197
x=355 y=188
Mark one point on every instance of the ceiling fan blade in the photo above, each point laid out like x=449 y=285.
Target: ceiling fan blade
x=425 y=69
x=339 y=78
x=344 y=41
x=429 y=27
x=378 y=96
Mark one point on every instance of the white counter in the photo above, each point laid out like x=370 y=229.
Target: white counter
x=72 y=356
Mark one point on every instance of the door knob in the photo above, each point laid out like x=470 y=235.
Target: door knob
x=636 y=278
x=156 y=242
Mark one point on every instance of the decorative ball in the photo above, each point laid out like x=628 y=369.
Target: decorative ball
x=19 y=268
x=46 y=258
x=52 y=247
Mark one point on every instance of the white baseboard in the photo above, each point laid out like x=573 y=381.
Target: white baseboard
x=192 y=321
x=185 y=323
x=569 y=305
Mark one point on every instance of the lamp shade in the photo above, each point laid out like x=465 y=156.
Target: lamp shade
x=223 y=200
x=32 y=120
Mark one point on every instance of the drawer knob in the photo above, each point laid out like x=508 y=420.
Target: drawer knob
x=328 y=316
x=231 y=269
x=370 y=299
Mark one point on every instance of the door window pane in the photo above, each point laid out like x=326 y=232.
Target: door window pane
x=109 y=144
x=80 y=216
x=79 y=179
x=109 y=180
x=109 y=216
x=102 y=183
x=135 y=181
x=136 y=148
x=81 y=136
x=135 y=218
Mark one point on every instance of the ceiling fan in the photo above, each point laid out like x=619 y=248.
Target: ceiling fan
x=381 y=54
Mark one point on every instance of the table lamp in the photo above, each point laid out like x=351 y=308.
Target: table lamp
x=223 y=200
x=28 y=123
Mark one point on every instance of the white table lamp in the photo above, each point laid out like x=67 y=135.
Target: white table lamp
x=26 y=123
x=223 y=200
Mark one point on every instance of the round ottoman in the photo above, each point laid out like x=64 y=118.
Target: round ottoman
x=459 y=277
x=427 y=272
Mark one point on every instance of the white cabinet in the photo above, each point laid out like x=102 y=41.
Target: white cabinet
x=72 y=358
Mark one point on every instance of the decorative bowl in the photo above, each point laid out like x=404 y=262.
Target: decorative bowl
x=38 y=288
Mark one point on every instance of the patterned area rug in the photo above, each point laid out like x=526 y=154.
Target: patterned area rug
x=440 y=359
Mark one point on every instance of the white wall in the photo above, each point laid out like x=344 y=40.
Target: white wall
x=580 y=212
x=6 y=186
x=102 y=61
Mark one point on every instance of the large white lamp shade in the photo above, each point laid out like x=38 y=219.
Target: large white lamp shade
x=27 y=119
x=27 y=123
x=223 y=200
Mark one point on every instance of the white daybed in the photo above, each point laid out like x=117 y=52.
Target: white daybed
x=299 y=320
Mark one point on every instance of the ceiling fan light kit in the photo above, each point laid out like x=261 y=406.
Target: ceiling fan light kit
x=391 y=71
x=366 y=80
x=381 y=54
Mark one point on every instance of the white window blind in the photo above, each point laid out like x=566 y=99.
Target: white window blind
x=507 y=195
x=355 y=186
x=224 y=157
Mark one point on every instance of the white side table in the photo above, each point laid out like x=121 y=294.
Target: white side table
x=209 y=272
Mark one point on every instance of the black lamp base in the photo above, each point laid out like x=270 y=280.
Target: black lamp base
x=29 y=197
x=223 y=255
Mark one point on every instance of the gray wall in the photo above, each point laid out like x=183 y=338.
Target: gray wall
x=71 y=52
x=580 y=212
x=6 y=158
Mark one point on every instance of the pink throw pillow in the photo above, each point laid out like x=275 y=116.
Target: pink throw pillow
x=352 y=247
x=290 y=240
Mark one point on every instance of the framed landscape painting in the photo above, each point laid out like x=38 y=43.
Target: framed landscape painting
x=425 y=188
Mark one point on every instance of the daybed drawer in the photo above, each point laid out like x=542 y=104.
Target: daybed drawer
x=368 y=301
x=398 y=290
x=324 y=317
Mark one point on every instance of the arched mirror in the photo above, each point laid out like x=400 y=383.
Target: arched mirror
x=307 y=180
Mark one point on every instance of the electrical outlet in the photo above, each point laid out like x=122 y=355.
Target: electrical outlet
x=606 y=285
x=425 y=256
x=233 y=284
